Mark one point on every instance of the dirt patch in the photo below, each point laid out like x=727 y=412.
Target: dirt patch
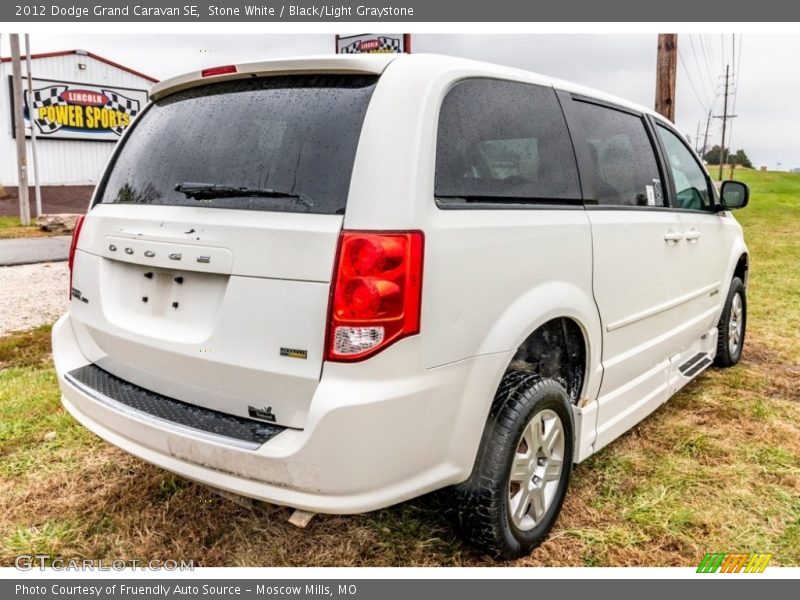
x=757 y=353
x=783 y=376
x=26 y=349
x=784 y=382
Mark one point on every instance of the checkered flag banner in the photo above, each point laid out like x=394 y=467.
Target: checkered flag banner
x=53 y=96
x=386 y=45
x=42 y=98
x=123 y=104
x=390 y=44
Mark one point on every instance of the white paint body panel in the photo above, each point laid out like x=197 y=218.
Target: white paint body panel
x=265 y=287
x=409 y=419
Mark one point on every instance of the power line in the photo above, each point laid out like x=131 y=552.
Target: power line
x=702 y=49
x=742 y=143
x=709 y=70
x=722 y=58
x=737 y=75
x=711 y=51
x=691 y=83
x=716 y=73
x=725 y=116
x=738 y=71
x=699 y=70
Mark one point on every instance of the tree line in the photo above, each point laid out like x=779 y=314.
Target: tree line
x=738 y=158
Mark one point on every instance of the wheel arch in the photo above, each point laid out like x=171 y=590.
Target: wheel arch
x=556 y=349
x=742 y=268
x=517 y=329
x=738 y=266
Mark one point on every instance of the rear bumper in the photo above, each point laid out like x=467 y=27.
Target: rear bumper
x=369 y=443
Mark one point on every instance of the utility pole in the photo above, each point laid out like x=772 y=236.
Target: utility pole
x=724 y=116
x=705 y=137
x=724 y=122
x=697 y=138
x=666 y=69
x=19 y=132
x=32 y=119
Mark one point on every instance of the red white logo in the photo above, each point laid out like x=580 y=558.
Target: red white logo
x=84 y=98
x=369 y=45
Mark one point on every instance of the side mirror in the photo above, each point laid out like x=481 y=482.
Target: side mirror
x=734 y=194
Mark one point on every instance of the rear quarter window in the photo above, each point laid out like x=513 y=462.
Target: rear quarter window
x=622 y=158
x=504 y=142
x=293 y=134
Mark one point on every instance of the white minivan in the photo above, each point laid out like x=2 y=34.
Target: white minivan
x=339 y=283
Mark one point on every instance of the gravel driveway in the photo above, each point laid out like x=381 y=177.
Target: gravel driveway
x=32 y=295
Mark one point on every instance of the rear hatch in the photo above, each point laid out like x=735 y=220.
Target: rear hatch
x=203 y=270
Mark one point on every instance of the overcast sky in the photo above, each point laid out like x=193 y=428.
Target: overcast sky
x=767 y=127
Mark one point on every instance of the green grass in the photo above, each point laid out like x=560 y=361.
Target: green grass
x=49 y=538
x=26 y=349
x=11 y=227
x=6 y=222
x=772 y=224
x=716 y=469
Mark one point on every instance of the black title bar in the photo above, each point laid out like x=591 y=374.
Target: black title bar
x=439 y=11
x=143 y=588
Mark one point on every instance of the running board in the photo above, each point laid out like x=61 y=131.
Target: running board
x=695 y=364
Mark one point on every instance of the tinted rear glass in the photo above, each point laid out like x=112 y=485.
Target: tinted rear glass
x=623 y=161
x=504 y=141
x=294 y=134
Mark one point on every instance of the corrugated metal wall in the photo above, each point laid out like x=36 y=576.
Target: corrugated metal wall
x=61 y=162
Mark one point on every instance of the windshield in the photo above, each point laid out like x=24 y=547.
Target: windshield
x=287 y=142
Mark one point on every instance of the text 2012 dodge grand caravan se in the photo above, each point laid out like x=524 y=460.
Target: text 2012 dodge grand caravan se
x=340 y=283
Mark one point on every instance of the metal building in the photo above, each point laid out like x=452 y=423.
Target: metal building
x=81 y=104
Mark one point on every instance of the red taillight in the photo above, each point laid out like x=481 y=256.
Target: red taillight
x=72 y=247
x=218 y=71
x=376 y=294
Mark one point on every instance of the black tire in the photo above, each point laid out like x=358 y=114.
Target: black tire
x=726 y=355
x=482 y=504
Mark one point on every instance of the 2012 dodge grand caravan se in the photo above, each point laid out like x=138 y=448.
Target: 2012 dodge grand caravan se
x=339 y=283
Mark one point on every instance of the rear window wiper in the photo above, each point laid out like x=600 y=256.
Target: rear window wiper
x=207 y=191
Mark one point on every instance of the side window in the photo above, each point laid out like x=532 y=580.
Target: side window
x=625 y=169
x=691 y=184
x=502 y=141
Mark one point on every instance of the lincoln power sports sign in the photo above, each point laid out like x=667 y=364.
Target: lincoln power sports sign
x=80 y=111
x=373 y=43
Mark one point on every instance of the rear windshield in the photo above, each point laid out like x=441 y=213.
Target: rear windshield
x=287 y=142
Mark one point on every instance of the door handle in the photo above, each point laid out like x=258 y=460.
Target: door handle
x=692 y=235
x=672 y=236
